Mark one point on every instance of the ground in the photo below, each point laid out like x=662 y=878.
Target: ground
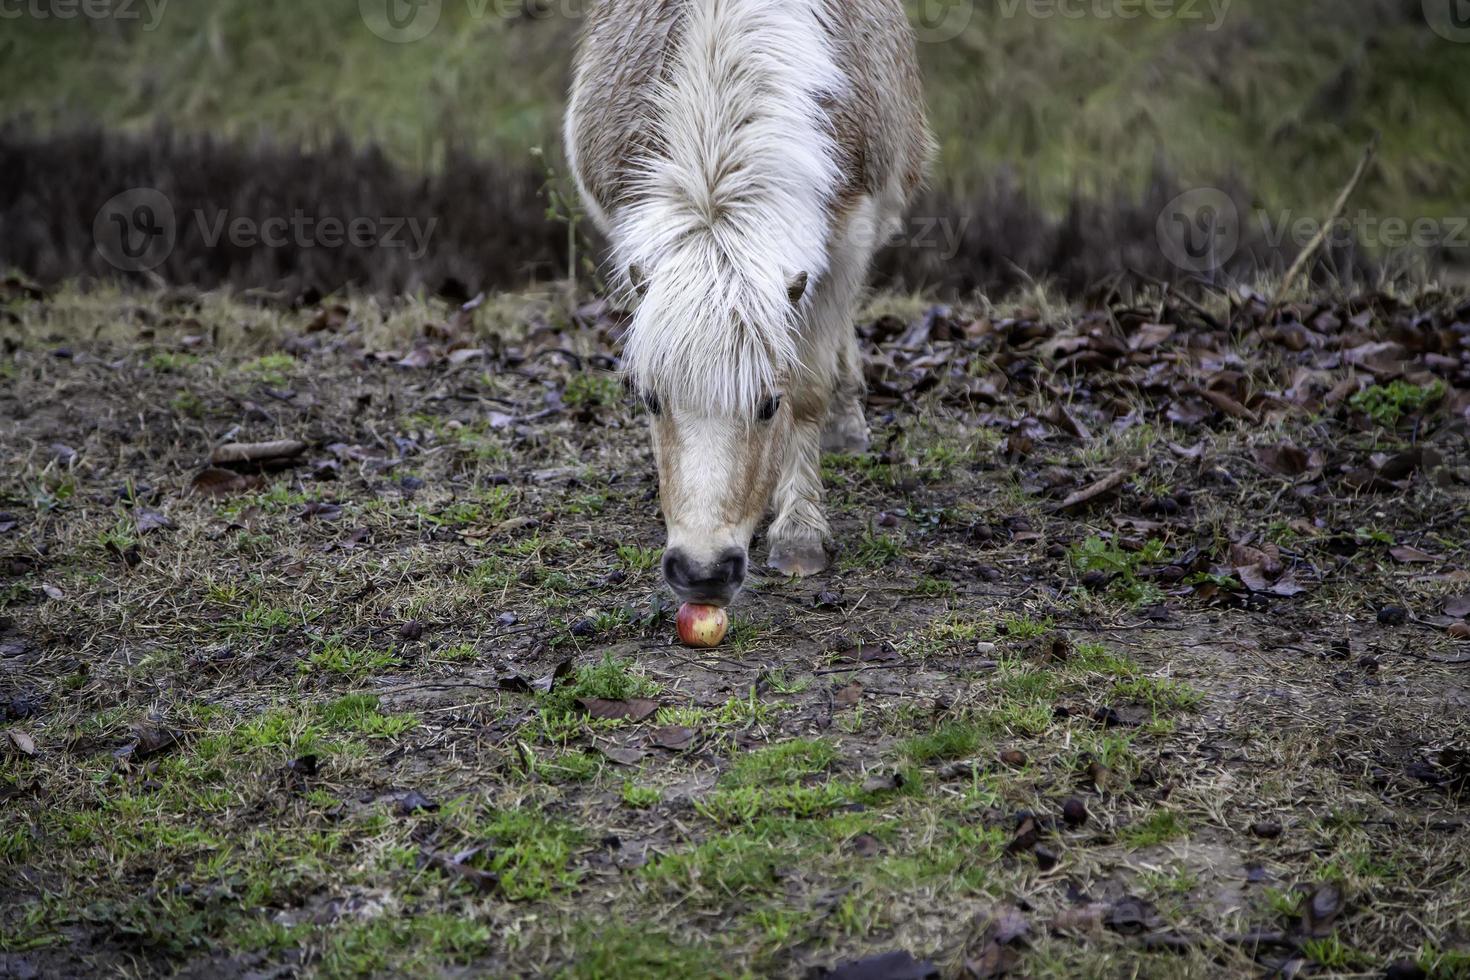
x=1141 y=653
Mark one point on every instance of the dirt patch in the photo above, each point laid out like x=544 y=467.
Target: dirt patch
x=1138 y=655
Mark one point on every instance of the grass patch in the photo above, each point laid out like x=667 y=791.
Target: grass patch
x=359 y=713
x=339 y=659
x=952 y=740
x=1388 y=404
x=1158 y=827
x=610 y=679
x=784 y=763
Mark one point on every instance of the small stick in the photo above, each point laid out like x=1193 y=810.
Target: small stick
x=1300 y=264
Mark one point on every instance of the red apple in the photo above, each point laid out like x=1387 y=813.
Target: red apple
x=702 y=626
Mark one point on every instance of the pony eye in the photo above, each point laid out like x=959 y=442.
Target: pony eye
x=651 y=402
x=769 y=408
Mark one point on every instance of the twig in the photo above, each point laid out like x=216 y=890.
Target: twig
x=904 y=665
x=1297 y=267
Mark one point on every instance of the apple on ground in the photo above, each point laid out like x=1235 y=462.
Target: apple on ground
x=702 y=626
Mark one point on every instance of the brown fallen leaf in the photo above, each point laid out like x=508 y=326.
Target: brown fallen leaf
x=622 y=755
x=1409 y=555
x=215 y=482
x=1283 y=460
x=675 y=738
x=1002 y=933
x=256 y=453
x=1058 y=416
x=21 y=742
x=149 y=521
x=1150 y=336
x=1229 y=406
x=1093 y=492
x=1458 y=607
x=1321 y=911
x=633 y=709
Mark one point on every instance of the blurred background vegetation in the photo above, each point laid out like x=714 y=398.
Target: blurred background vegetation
x=1276 y=98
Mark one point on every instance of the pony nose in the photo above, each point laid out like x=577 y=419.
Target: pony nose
x=714 y=584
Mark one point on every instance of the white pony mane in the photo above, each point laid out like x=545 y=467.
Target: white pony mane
x=731 y=204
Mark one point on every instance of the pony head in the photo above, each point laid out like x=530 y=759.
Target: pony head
x=720 y=417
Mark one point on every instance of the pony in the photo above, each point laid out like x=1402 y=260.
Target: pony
x=745 y=159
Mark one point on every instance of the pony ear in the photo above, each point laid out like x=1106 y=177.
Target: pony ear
x=637 y=279
x=796 y=288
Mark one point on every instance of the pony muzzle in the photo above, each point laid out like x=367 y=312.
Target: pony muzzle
x=708 y=583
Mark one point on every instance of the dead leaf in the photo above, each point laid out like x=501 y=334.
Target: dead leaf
x=1458 y=607
x=1321 y=911
x=321 y=511
x=622 y=755
x=559 y=673
x=633 y=709
x=256 y=453
x=21 y=742
x=1150 y=336
x=1105 y=487
x=419 y=358
x=1229 y=406
x=1058 y=416
x=1284 y=460
x=1003 y=933
x=883 y=782
x=149 y=521
x=413 y=802
x=675 y=738
x=1410 y=555
x=215 y=482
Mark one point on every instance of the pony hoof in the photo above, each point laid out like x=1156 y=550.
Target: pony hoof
x=800 y=558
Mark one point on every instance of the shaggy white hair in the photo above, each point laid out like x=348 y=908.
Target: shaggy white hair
x=732 y=203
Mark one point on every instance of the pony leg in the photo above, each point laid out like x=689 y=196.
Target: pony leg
x=847 y=426
x=800 y=531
